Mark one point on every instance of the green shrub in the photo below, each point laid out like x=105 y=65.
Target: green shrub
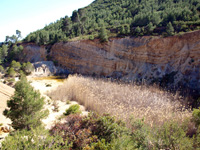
x=68 y=102
x=91 y=132
x=125 y=142
x=27 y=68
x=15 y=65
x=48 y=85
x=73 y=109
x=1 y=69
x=100 y=145
x=197 y=139
x=172 y=136
x=106 y=127
x=11 y=72
x=196 y=116
x=91 y=37
x=11 y=80
x=38 y=138
x=140 y=133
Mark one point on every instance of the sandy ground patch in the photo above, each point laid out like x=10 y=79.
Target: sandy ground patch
x=45 y=85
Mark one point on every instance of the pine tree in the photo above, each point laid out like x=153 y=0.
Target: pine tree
x=4 y=52
x=170 y=29
x=11 y=72
x=122 y=30
x=103 y=35
x=150 y=28
x=137 y=30
x=27 y=67
x=15 y=65
x=25 y=107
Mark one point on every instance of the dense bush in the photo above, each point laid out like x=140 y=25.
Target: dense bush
x=73 y=109
x=34 y=139
x=172 y=136
x=16 y=69
x=103 y=133
x=91 y=131
x=196 y=116
x=11 y=72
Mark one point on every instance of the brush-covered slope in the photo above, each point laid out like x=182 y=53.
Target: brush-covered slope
x=122 y=17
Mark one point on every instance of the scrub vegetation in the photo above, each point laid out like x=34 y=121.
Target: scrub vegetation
x=106 y=18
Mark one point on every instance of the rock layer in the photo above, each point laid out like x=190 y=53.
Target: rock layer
x=34 y=53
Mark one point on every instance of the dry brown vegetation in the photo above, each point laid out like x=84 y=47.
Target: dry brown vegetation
x=123 y=100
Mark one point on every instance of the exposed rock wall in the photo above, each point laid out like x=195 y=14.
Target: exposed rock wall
x=47 y=68
x=34 y=53
x=173 y=60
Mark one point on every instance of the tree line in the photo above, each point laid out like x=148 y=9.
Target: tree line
x=123 y=17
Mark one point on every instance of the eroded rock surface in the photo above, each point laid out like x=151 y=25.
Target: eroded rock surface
x=47 y=68
x=172 y=61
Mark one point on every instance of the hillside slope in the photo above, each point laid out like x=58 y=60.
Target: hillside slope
x=122 y=17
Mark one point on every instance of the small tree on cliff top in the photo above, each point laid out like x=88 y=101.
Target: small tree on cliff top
x=103 y=34
x=25 y=106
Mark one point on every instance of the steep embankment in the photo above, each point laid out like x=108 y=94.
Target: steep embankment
x=5 y=93
x=172 y=61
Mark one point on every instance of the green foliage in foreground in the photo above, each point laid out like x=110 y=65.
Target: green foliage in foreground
x=73 y=109
x=25 y=107
x=196 y=116
x=35 y=139
x=95 y=132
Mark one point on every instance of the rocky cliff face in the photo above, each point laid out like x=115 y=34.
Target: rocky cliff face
x=34 y=53
x=47 y=68
x=172 y=61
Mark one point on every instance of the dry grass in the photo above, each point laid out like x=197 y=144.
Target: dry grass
x=122 y=100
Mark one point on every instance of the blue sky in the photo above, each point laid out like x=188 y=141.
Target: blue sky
x=31 y=15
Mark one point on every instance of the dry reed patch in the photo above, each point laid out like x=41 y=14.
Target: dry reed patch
x=122 y=100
